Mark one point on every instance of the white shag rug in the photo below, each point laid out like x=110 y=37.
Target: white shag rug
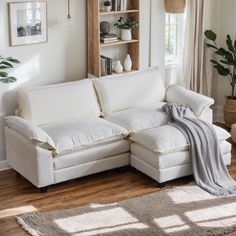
x=185 y=210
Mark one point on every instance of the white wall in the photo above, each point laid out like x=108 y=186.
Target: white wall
x=63 y=58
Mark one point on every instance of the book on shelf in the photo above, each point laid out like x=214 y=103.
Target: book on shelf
x=108 y=38
x=119 y=5
x=106 y=65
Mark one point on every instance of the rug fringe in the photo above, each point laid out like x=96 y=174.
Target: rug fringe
x=26 y=227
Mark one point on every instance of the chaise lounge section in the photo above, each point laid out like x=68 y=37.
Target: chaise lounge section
x=71 y=130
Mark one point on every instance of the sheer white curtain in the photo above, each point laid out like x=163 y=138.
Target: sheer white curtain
x=196 y=71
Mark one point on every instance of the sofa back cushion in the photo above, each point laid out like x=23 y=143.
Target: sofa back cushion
x=129 y=91
x=59 y=102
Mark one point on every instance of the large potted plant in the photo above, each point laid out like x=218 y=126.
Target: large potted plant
x=225 y=64
x=126 y=25
x=5 y=64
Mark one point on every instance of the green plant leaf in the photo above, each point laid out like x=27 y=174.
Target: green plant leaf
x=211 y=46
x=3 y=67
x=227 y=63
x=3 y=74
x=12 y=60
x=209 y=34
x=222 y=70
x=229 y=43
x=8 y=64
x=8 y=80
x=229 y=57
x=220 y=51
x=214 y=61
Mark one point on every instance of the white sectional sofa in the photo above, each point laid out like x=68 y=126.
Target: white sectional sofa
x=75 y=129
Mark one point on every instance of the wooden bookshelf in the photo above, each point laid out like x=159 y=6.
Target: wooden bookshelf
x=95 y=47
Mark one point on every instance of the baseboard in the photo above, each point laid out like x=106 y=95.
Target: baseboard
x=218 y=112
x=4 y=166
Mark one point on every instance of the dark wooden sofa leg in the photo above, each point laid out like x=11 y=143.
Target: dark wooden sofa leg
x=161 y=185
x=44 y=190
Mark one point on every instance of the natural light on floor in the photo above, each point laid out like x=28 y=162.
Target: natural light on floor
x=103 y=221
x=218 y=216
x=17 y=211
x=180 y=196
x=171 y=224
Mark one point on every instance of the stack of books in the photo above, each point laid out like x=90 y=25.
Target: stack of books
x=106 y=65
x=119 y=5
x=108 y=38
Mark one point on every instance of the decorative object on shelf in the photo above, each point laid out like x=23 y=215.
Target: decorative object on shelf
x=105 y=27
x=120 y=5
x=68 y=18
x=126 y=25
x=5 y=64
x=118 y=67
x=128 y=63
x=27 y=22
x=107 y=5
x=175 y=6
x=226 y=67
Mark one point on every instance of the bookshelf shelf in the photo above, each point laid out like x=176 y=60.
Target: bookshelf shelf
x=120 y=42
x=96 y=48
x=104 y=13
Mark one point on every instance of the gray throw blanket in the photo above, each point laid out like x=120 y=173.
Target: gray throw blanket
x=209 y=170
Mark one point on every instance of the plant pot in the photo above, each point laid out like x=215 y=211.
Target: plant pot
x=230 y=111
x=107 y=8
x=126 y=34
x=175 y=6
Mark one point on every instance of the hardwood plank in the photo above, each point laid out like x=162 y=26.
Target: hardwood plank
x=107 y=187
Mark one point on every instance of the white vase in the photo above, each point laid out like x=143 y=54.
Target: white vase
x=107 y=8
x=118 y=67
x=128 y=63
x=126 y=34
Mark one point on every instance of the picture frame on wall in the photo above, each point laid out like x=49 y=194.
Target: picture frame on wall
x=28 y=22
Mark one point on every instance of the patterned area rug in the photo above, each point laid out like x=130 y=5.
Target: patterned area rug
x=185 y=210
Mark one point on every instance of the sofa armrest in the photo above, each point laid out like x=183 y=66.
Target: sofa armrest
x=30 y=132
x=31 y=161
x=181 y=96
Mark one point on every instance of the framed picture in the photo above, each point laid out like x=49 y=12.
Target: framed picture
x=27 y=22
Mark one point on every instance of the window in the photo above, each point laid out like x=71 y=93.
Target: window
x=173 y=37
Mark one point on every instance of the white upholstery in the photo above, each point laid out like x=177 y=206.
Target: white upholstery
x=167 y=160
x=31 y=161
x=74 y=134
x=91 y=154
x=30 y=131
x=207 y=115
x=91 y=167
x=130 y=91
x=167 y=138
x=180 y=95
x=141 y=118
x=58 y=102
x=163 y=175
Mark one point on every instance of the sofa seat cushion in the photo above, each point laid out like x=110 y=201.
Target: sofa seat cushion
x=141 y=118
x=90 y=154
x=167 y=160
x=167 y=138
x=84 y=132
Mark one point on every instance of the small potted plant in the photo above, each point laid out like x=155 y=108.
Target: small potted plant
x=126 y=26
x=5 y=64
x=225 y=64
x=107 y=5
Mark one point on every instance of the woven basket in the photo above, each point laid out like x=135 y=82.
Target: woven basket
x=230 y=112
x=175 y=6
x=233 y=132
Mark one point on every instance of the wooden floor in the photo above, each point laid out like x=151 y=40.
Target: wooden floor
x=18 y=195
